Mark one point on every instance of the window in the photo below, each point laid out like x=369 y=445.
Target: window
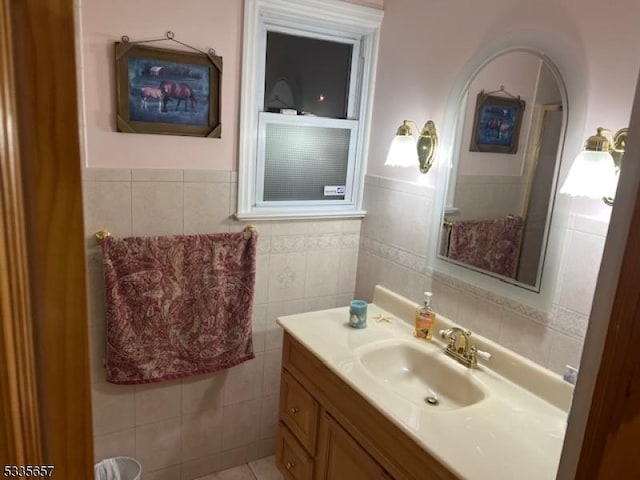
x=310 y=75
x=308 y=68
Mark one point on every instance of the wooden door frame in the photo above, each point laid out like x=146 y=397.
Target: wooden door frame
x=20 y=439
x=45 y=396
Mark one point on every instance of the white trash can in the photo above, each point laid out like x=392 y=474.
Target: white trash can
x=117 y=468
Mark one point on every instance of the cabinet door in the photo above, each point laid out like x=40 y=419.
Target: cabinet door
x=340 y=456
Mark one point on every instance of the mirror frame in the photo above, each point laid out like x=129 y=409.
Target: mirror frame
x=565 y=59
x=451 y=186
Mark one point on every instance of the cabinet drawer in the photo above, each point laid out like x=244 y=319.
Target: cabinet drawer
x=291 y=458
x=299 y=411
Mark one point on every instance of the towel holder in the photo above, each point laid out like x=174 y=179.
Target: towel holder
x=102 y=234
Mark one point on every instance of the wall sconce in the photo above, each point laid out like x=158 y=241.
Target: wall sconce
x=405 y=151
x=595 y=170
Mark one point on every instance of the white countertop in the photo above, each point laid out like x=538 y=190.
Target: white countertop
x=510 y=434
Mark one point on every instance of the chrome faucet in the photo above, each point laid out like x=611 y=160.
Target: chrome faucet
x=459 y=347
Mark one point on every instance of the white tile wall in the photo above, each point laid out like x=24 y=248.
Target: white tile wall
x=399 y=262
x=578 y=280
x=201 y=433
x=114 y=408
x=206 y=207
x=120 y=443
x=158 y=402
x=200 y=394
x=157 y=208
x=189 y=428
x=158 y=444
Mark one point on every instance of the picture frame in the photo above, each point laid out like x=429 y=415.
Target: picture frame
x=496 y=124
x=167 y=92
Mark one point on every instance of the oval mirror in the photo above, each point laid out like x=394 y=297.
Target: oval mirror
x=506 y=154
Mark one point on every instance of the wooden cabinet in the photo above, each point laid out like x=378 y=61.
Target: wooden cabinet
x=340 y=456
x=327 y=431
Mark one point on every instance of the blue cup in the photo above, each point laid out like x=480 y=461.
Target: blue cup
x=358 y=314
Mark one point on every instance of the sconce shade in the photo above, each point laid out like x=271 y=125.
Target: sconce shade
x=593 y=174
x=405 y=151
x=402 y=152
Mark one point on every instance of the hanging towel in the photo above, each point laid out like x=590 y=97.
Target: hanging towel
x=492 y=245
x=177 y=306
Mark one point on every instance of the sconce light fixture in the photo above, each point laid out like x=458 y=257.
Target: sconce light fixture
x=594 y=172
x=405 y=151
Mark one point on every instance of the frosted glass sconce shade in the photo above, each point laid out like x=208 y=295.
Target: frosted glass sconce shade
x=406 y=151
x=594 y=173
x=402 y=152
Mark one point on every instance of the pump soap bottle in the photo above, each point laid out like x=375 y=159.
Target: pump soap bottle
x=425 y=317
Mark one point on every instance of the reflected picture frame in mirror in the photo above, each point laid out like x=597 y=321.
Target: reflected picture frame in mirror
x=506 y=236
x=496 y=123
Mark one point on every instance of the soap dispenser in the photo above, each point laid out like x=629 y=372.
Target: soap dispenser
x=425 y=318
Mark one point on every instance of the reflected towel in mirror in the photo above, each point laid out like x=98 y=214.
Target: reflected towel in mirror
x=492 y=244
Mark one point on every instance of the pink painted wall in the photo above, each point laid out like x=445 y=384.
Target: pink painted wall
x=425 y=45
x=201 y=23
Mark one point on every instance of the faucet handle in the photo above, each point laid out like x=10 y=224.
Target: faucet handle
x=486 y=356
x=473 y=355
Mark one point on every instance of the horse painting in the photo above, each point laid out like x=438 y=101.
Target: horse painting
x=150 y=92
x=505 y=131
x=177 y=91
x=493 y=126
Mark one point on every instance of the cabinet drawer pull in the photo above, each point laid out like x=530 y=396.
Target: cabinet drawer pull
x=290 y=465
x=294 y=411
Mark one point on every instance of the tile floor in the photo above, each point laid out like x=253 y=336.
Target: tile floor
x=262 y=469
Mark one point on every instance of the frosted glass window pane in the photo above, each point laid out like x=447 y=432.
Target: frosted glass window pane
x=307 y=74
x=301 y=160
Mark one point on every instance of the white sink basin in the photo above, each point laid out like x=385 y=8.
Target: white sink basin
x=423 y=376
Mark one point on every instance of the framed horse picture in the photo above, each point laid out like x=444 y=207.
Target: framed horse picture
x=496 y=125
x=169 y=92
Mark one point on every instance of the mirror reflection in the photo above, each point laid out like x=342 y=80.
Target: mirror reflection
x=507 y=149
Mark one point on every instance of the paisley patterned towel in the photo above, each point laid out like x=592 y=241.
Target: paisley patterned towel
x=178 y=305
x=492 y=245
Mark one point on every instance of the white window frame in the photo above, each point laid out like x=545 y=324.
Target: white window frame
x=333 y=20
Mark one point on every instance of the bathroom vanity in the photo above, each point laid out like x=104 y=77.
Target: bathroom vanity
x=328 y=431
x=377 y=403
